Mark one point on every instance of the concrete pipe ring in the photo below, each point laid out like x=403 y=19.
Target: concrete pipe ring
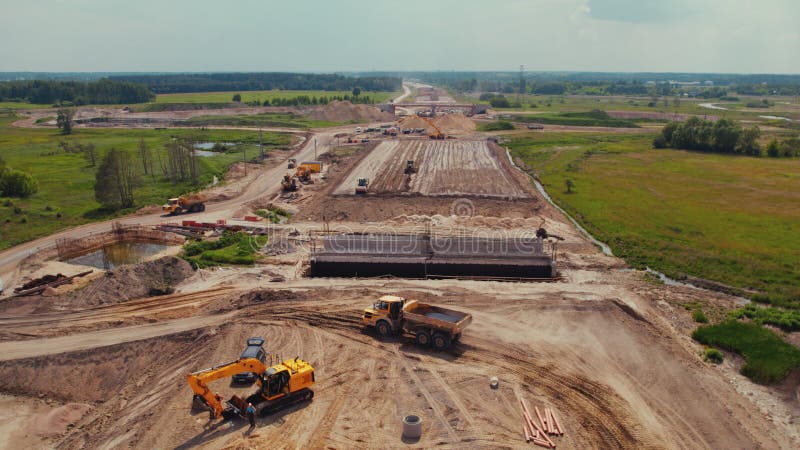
x=412 y=427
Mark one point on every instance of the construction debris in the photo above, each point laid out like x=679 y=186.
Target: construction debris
x=48 y=281
x=539 y=432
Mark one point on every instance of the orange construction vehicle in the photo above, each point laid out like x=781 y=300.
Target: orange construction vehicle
x=184 y=204
x=289 y=183
x=438 y=133
x=281 y=384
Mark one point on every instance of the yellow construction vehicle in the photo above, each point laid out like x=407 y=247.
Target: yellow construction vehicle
x=184 y=204
x=303 y=173
x=438 y=133
x=362 y=186
x=430 y=325
x=289 y=183
x=282 y=384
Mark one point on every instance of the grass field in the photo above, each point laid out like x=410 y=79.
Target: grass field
x=66 y=180
x=730 y=219
x=262 y=120
x=767 y=357
x=782 y=106
x=260 y=96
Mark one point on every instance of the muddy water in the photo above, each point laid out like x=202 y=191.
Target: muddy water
x=118 y=254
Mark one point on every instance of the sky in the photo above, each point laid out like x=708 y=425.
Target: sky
x=743 y=36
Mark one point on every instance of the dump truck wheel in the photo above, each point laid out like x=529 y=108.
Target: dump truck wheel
x=384 y=329
x=201 y=208
x=423 y=338
x=440 y=341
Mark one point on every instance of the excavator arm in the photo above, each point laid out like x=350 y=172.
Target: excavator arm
x=439 y=134
x=199 y=380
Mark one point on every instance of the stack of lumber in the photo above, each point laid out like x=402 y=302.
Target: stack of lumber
x=539 y=428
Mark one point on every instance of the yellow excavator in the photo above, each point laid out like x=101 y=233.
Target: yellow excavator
x=280 y=385
x=438 y=134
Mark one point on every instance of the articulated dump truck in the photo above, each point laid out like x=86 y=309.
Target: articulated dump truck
x=430 y=325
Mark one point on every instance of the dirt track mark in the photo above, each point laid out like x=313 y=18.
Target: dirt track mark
x=599 y=408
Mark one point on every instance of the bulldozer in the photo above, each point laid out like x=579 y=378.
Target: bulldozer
x=410 y=168
x=362 y=186
x=185 y=204
x=289 y=183
x=279 y=385
x=303 y=174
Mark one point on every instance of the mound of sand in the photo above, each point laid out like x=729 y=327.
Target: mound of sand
x=136 y=281
x=449 y=124
x=337 y=111
x=455 y=124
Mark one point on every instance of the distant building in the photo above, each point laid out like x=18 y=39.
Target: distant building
x=708 y=83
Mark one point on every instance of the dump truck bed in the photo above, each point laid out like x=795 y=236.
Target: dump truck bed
x=436 y=317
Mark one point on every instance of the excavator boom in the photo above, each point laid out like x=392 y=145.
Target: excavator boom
x=199 y=380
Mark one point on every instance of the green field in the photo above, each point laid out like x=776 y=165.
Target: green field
x=262 y=120
x=260 y=96
x=731 y=219
x=782 y=106
x=767 y=357
x=66 y=180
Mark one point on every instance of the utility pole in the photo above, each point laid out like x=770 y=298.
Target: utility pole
x=315 y=149
x=521 y=82
x=260 y=143
x=244 y=159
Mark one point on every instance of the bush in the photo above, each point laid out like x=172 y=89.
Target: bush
x=499 y=102
x=786 y=320
x=660 y=142
x=768 y=358
x=699 y=317
x=14 y=183
x=713 y=355
x=497 y=126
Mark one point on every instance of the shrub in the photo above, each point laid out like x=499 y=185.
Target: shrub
x=497 y=126
x=768 y=358
x=14 y=183
x=699 y=317
x=713 y=355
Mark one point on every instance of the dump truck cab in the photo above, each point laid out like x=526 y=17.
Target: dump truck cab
x=386 y=314
x=171 y=205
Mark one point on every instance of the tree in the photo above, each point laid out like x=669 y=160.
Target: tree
x=237 y=98
x=115 y=180
x=569 y=184
x=356 y=91
x=146 y=156
x=90 y=153
x=748 y=141
x=726 y=134
x=64 y=120
x=774 y=149
x=15 y=183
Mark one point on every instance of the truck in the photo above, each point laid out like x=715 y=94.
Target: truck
x=313 y=166
x=185 y=204
x=430 y=325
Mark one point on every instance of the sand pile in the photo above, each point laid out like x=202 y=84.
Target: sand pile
x=416 y=122
x=128 y=282
x=455 y=124
x=337 y=111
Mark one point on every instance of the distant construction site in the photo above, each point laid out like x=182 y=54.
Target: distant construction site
x=442 y=168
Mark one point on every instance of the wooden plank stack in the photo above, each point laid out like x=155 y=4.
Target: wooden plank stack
x=539 y=431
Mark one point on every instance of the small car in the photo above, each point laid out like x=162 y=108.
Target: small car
x=254 y=349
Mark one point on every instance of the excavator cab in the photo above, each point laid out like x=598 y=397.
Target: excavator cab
x=275 y=383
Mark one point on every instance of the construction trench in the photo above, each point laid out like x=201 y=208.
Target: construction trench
x=423 y=256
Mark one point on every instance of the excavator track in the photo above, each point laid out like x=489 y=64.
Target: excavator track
x=267 y=407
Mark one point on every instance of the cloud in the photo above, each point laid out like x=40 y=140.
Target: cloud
x=640 y=11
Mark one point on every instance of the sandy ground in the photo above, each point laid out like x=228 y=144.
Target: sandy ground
x=444 y=168
x=605 y=347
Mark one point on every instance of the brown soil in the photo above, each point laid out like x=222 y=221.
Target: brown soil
x=338 y=111
x=444 y=168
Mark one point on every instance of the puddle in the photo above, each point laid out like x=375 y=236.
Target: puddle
x=776 y=118
x=118 y=254
x=203 y=149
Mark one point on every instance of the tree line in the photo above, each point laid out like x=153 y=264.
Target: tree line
x=210 y=82
x=722 y=136
x=101 y=92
